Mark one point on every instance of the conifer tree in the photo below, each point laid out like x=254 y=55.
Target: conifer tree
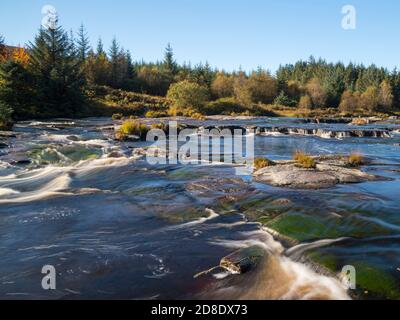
x=58 y=78
x=83 y=44
x=169 y=60
x=100 y=48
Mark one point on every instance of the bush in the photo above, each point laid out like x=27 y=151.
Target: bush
x=187 y=97
x=355 y=160
x=156 y=114
x=131 y=127
x=304 y=160
x=260 y=163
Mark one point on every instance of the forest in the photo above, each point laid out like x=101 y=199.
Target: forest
x=59 y=74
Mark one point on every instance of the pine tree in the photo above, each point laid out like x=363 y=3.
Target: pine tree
x=129 y=65
x=16 y=89
x=100 y=48
x=83 y=44
x=169 y=61
x=54 y=64
x=114 y=54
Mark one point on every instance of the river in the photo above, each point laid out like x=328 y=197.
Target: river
x=116 y=227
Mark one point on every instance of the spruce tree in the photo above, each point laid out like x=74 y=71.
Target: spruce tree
x=169 y=61
x=16 y=90
x=58 y=78
x=100 y=48
x=83 y=44
x=114 y=54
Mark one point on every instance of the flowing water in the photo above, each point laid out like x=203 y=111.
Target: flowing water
x=114 y=226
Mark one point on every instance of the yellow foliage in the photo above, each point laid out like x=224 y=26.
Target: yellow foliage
x=304 y=160
x=21 y=56
x=260 y=163
x=355 y=160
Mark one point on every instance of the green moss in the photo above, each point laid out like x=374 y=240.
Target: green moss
x=299 y=227
x=327 y=260
x=377 y=282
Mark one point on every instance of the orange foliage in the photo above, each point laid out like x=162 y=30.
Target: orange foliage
x=21 y=56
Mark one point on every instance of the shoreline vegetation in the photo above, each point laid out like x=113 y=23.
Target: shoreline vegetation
x=58 y=75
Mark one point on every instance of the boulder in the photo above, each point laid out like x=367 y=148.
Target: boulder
x=325 y=175
x=243 y=260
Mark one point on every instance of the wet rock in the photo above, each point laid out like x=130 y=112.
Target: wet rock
x=73 y=138
x=243 y=260
x=282 y=202
x=328 y=120
x=115 y=154
x=7 y=134
x=22 y=160
x=3 y=145
x=325 y=133
x=325 y=175
x=226 y=189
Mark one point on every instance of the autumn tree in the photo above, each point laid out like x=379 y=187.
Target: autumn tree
x=316 y=93
x=305 y=103
x=385 y=95
x=263 y=87
x=349 y=102
x=242 y=91
x=152 y=79
x=223 y=85
x=21 y=56
x=369 y=100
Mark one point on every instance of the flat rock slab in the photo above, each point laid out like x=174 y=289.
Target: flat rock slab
x=323 y=176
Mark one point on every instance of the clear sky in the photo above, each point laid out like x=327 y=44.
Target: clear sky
x=227 y=33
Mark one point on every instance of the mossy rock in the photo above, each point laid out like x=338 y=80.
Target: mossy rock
x=183 y=215
x=309 y=227
x=376 y=282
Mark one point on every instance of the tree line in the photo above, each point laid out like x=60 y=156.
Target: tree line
x=50 y=76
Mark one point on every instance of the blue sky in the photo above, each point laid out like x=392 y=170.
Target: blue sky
x=226 y=33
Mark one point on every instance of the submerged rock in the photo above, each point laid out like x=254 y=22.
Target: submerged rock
x=243 y=260
x=238 y=262
x=325 y=175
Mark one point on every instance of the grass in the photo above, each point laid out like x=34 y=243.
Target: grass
x=355 y=160
x=304 y=160
x=260 y=163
